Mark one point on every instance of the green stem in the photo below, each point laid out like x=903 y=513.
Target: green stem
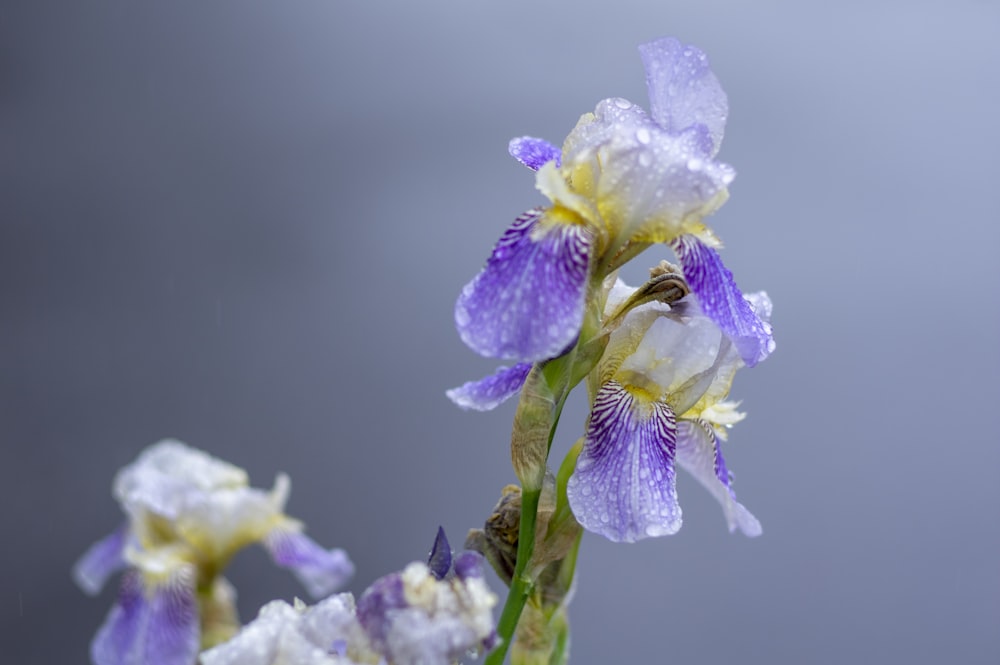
x=521 y=586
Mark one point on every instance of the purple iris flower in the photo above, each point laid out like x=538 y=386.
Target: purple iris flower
x=669 y=369
x=188 y=514
x=426 y=614
x=622 y=179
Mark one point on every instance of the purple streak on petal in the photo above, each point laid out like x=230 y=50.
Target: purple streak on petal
x=683 y=91
x=722 y=301
x=319 y=570
x=624 y=484
x=102 y=560
x=698 y=453
x=377 y=604
x=486 y=394
x=527 y=302
x=157 y=625
x=439 y=560
x=533 y=152
x=469 y=564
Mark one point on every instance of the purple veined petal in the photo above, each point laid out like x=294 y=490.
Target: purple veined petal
x=439 y=560
x=157 y=624
x=698 y=453
x=102 y=560
x=624 y=485
x=534 y=152
x=527 y=302
x=487 y=394
x=319 y=570
x=683 y=91
x=722 y=301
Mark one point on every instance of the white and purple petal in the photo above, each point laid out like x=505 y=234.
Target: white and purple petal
x=102 y=560
x=157 y=624
x=325 y=634
x=683 y=91
x=624 y=485
x=527 y=303
x=487 y=394
x=649 y=184
x=534 y=152
x=412 y=618
x=722 y=301
x=320 y=571
x=698 y=453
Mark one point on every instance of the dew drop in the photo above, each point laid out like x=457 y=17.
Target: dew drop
x=642 y=135
x=623 y=103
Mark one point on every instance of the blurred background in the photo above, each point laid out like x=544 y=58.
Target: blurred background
x=244 y=225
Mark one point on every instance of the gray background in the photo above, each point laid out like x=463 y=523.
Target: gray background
x=244 y=224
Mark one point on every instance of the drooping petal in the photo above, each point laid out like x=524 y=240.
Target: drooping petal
x=683 y=91
x=624 y=483
x=533 y=152
x=699 y=454
x=722 y=300
x=527 y=302
x=439 y=560
x=156 y=624
x=102 y=560
x=320 y=571
x=487 y=394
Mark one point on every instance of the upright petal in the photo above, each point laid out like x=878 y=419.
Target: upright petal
x=320 y=571
x=169 y=475
x=101 y=561
x=533 y=152
x=698 y=453
x=439 y=560
x=649 y=184
x=722 y=300
x=487 y=394
x=683 y=91
x=527 y=303
x=155 y=624
x=624 y=484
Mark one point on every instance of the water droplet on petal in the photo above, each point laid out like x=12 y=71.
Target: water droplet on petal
x=642 y=135
x=623 y=103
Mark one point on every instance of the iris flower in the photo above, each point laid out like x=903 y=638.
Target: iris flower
x=623 y=179
x=187 y=514
x=658 y=400
x=426 y=614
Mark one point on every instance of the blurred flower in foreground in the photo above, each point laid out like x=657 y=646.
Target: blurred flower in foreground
x=660 y=392
x=623 y=180
x=427 y=614
x=188 y=514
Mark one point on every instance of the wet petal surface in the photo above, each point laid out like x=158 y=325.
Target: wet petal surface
x=527 y=302
x=624 y=484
